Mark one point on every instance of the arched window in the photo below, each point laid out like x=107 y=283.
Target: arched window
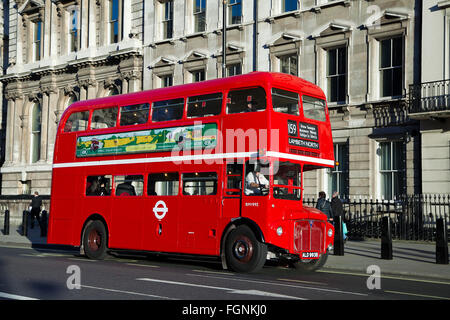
x=72 y=99
x=35 y=132
x=112 y=91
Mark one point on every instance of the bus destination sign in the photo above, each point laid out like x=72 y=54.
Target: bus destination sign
x=305 y=131
x=202 y=136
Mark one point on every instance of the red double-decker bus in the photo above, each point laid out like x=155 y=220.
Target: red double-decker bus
x=212 y=168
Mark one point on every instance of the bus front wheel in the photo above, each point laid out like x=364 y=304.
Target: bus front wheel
x=311 y=265
x=243 y=252
x=94 y=240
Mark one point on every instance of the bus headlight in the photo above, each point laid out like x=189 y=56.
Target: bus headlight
x=330 y=232
x=279 y=231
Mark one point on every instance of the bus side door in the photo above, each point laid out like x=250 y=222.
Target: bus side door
x=232 y=192
x=161 y=212
x=199 y=213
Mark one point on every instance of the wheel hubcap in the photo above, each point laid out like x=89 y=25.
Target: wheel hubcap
x=243 y=249
x=94 y=240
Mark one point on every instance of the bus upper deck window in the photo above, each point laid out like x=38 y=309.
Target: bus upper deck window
x=104 y=118
x=135 y=114
x=77 y=122
x=246 y=100
x=313 y=108
x=168 y=110
x=205 y=105
x=285 y=101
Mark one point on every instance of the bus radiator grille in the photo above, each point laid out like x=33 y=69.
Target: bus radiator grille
x=309 y=235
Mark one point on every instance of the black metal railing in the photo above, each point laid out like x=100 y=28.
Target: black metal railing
x=429 y=97
x=413 y=217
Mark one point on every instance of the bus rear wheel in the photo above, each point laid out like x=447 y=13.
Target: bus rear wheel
x=94 y=240
x=243 y=252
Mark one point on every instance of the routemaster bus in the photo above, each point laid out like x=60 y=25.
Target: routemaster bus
x=214 y=168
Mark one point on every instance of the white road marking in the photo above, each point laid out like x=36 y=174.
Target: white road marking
x=231 y=290
x=283 y=285
x=14 y=296
x=417 y=295
x=128 y=292
x=386 y=277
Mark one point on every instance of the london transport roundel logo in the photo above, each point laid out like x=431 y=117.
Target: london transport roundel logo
x=160 y=210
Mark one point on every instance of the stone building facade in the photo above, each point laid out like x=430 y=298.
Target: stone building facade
x=430 y=97
x=61 y=52
x=364 y=54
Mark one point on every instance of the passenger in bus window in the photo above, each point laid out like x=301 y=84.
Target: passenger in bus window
x=68 y=125
x=92 y=186
x=103 y=189
x=126 y=188
x=255 y=181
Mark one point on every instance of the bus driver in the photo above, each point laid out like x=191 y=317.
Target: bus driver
x=254 y=181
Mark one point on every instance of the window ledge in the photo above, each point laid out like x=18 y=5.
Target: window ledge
x=294 y=13
x=202 y=34
x=318 y=9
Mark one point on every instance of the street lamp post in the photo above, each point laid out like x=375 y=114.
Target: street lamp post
x=224 y=40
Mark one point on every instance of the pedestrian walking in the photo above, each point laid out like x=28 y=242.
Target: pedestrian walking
x=36 y=204
x=338 y=211
x=324 y=205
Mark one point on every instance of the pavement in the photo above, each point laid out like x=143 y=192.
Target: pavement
x=410 y=258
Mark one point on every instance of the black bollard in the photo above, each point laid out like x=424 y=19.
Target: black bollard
x=338 y=237
x=44 y=223
x=25 y=223
x=441 y=242
x=6 y=223
x=386 y=239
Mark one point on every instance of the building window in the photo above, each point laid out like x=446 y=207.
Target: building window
x=166 y=81
x=235 y=12
x=114 y=11
x=338 y=176
x=73 y=30
x=392 y=169
x=234 y=69
x=200 y=15
x=391 y=67
x=167 y=20
x=37 y=37
x=289 y=64
x=336 y=74
x=198 y=75
x=36 y=133
x=289 y=5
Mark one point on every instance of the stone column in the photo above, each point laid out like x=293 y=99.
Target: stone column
x=53 y=121
x=92 y=23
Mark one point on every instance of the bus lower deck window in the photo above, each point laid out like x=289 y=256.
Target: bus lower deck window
x=130 y=185
x=98 y=185
x=163 y=184
x=200 y=183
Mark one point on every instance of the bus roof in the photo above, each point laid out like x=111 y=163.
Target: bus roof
x=275 y=79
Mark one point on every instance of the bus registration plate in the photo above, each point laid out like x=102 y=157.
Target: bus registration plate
x=310 y=255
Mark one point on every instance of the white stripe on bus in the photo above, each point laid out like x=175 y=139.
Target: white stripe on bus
x=193 y=158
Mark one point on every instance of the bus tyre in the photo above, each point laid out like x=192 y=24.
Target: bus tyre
x=243 y=252
x=312 y=264
x=94 y=240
